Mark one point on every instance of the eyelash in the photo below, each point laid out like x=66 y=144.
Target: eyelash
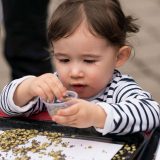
x=90 y=61
x=67 y=60
x=64 y=60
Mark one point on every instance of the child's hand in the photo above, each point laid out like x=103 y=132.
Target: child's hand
x=82 y=114
x=47 y=86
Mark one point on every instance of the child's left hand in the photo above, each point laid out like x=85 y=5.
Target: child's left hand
x=82 y=114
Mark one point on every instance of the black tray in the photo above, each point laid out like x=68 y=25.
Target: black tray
x=140 y=140
x=149 y=152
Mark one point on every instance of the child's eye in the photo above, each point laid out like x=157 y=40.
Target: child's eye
x=64 y=60
x=89 y=61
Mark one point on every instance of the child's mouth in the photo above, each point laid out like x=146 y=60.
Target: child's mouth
x=78 y=88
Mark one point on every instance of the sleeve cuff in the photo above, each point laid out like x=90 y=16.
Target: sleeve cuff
x=16 y=108
x=108 y=126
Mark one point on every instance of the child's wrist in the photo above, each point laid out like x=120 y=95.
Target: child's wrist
x=27 y=85
x=100 y=117
x=23 y=90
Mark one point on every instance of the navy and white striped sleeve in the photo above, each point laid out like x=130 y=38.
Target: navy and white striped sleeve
x=130 y=110
x=8 y=106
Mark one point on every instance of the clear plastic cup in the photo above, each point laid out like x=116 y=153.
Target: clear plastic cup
x=53 y=107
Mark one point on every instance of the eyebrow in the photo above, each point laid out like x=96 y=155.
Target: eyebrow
x=59 y=54
x=83 y=55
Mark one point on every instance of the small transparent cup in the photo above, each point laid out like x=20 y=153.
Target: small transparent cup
x=53 y=107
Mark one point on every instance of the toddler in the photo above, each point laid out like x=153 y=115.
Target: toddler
x=89 y=42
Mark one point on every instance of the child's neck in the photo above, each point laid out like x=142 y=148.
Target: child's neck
x=97 y=95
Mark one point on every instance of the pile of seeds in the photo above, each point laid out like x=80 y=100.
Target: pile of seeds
x=126 y=152
x=14 y=139
x=11 y=139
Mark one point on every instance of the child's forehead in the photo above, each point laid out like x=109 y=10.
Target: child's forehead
x=81 y=40
x=82 y=32
x=84 y=45
x=81 y=37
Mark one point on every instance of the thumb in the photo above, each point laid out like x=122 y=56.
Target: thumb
x=71 y=102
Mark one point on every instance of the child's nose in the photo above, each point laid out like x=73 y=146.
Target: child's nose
x=76 y=72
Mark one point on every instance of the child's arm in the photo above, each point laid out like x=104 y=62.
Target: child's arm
x=7 y=104
x=22 y=95
x=81 y=114
x=46 y=86
x=131 y=109
x=19 y=96
x=134 y=114
x=126 y=109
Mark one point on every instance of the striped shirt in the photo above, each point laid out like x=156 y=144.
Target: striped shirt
x=129 y=109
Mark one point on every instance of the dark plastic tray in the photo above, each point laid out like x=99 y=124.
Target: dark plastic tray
x=140 y=140
x=149 y=152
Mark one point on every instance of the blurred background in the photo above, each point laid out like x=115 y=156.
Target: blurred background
x=145 y=65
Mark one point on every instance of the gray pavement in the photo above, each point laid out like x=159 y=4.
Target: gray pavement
x=145 y=65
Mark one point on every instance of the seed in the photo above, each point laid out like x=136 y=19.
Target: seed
x=11 y=139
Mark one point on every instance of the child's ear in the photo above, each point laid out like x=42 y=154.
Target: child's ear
x=123 y=55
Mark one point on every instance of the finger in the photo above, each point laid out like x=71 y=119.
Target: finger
x=68 y=111
x=65 y=120
x=49 y=84
x=59 y=84
x=56 y=86
x=46 y=91
x=41 y=93
x=71 y=101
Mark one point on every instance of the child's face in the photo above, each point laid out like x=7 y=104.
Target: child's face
x=84 y=62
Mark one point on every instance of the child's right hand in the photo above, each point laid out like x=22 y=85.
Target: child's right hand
x=46 y=86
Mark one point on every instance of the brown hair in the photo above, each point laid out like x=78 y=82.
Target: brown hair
x=104 y=18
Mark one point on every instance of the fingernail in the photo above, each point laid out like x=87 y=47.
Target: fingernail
x=53 y=119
